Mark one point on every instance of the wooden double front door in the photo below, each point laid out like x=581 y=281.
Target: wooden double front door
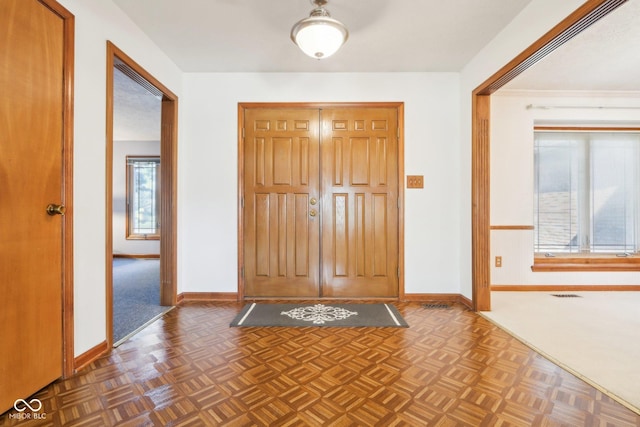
x=320 y=202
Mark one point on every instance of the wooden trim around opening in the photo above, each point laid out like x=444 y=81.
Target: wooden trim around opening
x=480 y=200
x=582 y=18
x=590 y=12
x=169 y=187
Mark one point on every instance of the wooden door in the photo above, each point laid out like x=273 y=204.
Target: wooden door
x=31 y=177
x=320 y=216
x=281 y=222
x=359 y=202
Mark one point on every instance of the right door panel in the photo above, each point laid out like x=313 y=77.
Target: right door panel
x=359 y=171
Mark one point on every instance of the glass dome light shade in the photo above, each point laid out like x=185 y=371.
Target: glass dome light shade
x=319 y=36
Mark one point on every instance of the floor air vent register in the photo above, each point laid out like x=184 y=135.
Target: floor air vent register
x=566 y=295
x=437 y=306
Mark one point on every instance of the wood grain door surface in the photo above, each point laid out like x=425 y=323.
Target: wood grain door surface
x=281 y=222
x=321 y=202
x=31 y=177
x=359 y=202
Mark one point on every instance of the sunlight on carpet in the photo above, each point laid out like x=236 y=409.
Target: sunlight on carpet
x=596 y=336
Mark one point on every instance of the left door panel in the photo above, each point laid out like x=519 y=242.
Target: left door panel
x=281 y=186
x=31 y=178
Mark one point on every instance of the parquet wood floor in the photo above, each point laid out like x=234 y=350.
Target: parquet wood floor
x=451 y=367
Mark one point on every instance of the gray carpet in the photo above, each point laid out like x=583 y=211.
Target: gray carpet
x=136 y=295
x=303 y=315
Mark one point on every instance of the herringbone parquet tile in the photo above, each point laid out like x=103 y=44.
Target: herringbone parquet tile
x=450 y=368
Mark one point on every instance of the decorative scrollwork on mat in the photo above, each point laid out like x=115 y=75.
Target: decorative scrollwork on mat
x=319 y=314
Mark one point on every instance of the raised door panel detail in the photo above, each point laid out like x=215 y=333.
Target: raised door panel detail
x=262 y=258
x=301 y=224
x=282 y=161
x=380 y=228
x=360 y=234
x=281 y=230
x=259 y=162
x=263 y=125
x=360 y=165
x=337 y=161
x=304 y=161
x=379 y=125
x=339 y=125
x=340 y=230
x=381 y=155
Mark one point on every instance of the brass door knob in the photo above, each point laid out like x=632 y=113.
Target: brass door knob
x=55 y=209
x=313 y=212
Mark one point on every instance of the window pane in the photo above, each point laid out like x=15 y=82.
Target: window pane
x=143 y=197
x=586 y=191
x=614 y=190
x=556 y=213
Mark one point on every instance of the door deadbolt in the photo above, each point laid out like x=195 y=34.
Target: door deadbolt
x=313 y=201
x=55 y=209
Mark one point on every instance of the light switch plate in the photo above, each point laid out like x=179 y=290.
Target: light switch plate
x=415 y=181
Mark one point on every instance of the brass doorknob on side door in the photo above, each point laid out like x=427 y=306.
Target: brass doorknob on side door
x=55 y=209
x=313 y=212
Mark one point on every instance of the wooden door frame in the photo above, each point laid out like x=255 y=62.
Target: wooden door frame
x=68 y=71
x=319 y=105
x=169 y=187
x=581 y=19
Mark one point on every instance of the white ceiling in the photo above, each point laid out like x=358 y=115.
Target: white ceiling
x=385 y=35
x=604 y=57
x=136 y=112
x=410 y=35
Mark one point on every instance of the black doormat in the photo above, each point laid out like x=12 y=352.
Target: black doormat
x=302 y=315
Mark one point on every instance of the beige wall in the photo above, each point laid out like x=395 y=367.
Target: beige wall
x=512 y=176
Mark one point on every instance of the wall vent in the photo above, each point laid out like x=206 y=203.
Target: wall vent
x=129 y=72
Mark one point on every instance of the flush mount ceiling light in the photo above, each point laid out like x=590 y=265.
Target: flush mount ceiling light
x=319 y=35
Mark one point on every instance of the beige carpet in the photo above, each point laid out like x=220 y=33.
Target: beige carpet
x=596 y=337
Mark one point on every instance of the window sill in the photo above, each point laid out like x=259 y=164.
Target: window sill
x=586 y=263
x=143 y=237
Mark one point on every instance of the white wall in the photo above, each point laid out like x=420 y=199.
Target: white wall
x=97 y=21
x=208 y=189
x=512 y=176
x=437 y=145
x=122 y=245
x=533 y=22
